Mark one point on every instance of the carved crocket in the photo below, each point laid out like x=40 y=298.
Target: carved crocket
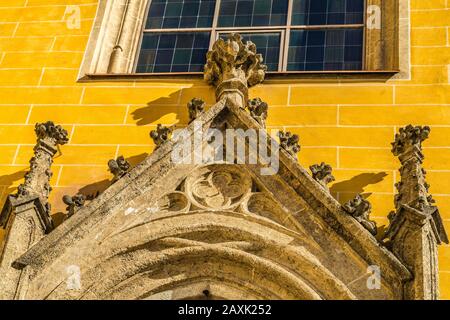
x=118 y=167
x=322 y=174
x=258 y=110
x=74 y=203
x=195 y=107
x=289 y=142
x=360 y=209
x=160 y=135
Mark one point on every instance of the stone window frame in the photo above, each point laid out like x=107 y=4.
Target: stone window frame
x=113 y=47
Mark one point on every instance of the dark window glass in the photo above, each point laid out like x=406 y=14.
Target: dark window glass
x=252 y=13
x=322 y=50
x=173 y=14
x=327 y=12
x=173 y=52
x=319 y=48
x=267 y=44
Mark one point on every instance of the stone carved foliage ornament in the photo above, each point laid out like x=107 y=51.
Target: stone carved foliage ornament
x=412 y=189
x=290 y=142
x=322 y=174
x=37 y=180
x=258 y=110
x=74 y=203
x=195 y=107
x=232 y=58
x=410 y=138
x=118 y=167
x=161 y=135
x=234 y=66
x=360 y=209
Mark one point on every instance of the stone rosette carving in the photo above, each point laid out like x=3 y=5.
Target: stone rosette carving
x=218 y=187
x=322 y=173
x=360 y=209
x=195 y=107
x=161 y=135
x=258 y=110
x=74 y=203
x=118 y=167
x=290 y=142
x=234 y=65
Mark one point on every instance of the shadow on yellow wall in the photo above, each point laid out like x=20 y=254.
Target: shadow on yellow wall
x=161 y=111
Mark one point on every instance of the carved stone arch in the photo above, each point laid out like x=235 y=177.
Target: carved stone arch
x=132 y=267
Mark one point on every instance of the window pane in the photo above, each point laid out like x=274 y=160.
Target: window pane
x=268 y=44
x=166 y=14
x=325 y=50
x=326 y=12
x=173 y=52
x=252 y=13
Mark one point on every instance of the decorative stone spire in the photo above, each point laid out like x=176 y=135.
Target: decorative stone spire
x=258 y=110
x=74 y=203
x=26 y=215
x=232 y=67
x=416 y=226
x=413 y=189
x=37 y=180
x=195 y=107
x=118 y=168
x=160 y=135
x=322 y=174
x=289 y=142
x=360 y=209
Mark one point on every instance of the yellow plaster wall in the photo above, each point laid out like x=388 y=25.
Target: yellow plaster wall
x=348 y=124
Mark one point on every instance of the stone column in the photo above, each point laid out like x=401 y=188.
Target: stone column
x=26 y=215
x=416 y=227
x=232 y=67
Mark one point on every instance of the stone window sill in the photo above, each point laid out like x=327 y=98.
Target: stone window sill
x=294 y=75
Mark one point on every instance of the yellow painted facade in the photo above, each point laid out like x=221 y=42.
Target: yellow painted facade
x=346 y=123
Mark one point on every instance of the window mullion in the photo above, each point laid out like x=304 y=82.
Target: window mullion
x=287 y=36
x=214 y=24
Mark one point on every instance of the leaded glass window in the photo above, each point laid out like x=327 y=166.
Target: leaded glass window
x=292 y=35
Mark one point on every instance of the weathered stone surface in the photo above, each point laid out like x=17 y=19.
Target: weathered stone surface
x=360 y=209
